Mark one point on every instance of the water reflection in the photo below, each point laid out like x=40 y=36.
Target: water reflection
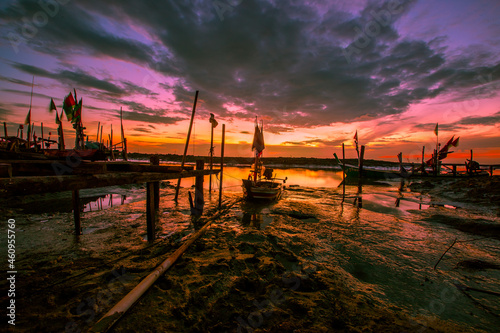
x=296 y=176
x=103 y=202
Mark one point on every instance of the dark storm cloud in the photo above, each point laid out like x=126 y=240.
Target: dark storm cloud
x=488 y=120
x=286 y=61
x=462 y=124
x=79 y=78
x=149 y=118
x=16 y=81
x=72 y=29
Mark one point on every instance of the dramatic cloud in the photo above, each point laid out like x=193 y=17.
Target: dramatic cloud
x=296 y=64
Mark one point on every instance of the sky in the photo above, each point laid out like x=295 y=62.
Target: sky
x=314 y=72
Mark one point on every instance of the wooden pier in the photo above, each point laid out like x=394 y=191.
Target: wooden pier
x=37 y=177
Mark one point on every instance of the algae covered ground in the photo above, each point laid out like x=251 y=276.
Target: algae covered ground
x=315 y=261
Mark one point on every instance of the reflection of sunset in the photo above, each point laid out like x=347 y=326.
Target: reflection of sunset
x=296 y=176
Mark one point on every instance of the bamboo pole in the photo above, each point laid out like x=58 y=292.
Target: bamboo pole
x=199 y=202
x=211 y=156
x=42 y=134
x=150 y=211
x=98 y=127
x=343 y=172
x=222 y=163
x=155 y=160
x=113 y=315
x=187 y=145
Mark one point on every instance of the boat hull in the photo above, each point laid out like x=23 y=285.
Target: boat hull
x=84 y=154
x=263 y=190
x=353 y=172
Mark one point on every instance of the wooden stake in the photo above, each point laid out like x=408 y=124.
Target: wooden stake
x=76 y=212
x=98 y=127
x=42 y=134
x=125 y=155
x=150 y=211
x=155 y=160
x=199 y=202
x=222 y=163
x=211 y=156
x=343 y=172
x=361 y=157
x=187 y=145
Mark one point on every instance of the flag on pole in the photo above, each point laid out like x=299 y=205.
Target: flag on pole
x=436 y=129
x=356 y=142
x=68 y=104
x=77 y=112
x=258 y=140
x=52 y=106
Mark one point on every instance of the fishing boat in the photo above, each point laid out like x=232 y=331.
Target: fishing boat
x=261 y=183
x=352 y=171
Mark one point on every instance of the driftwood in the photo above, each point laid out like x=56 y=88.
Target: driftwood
x=445 y=253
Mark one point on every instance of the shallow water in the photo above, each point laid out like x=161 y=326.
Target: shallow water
x=382 y=238
x=389 y=239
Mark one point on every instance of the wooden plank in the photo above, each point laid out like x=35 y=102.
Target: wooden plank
x=47 y=184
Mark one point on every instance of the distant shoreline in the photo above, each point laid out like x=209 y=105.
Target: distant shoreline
x=282 y=162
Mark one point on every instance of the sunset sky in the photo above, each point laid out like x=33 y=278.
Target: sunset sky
x=313 y=71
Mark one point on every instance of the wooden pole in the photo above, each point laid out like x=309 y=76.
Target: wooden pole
x=102 y=139
x=125 y=155
x=471 y=155
x=150 y=211
x=199 y=202
x=343 y=172
x=98 y=127
x=423 y=159
x=361 y=157
x=111 y=144
x=5 y=129
x=211 y=156
x=222 y=163
x=155 y=160
x=76 y=212
x=187 y=145
x=42 y=134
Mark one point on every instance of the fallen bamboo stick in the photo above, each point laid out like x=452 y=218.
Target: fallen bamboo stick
x=113 y=315
x=445 y=253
